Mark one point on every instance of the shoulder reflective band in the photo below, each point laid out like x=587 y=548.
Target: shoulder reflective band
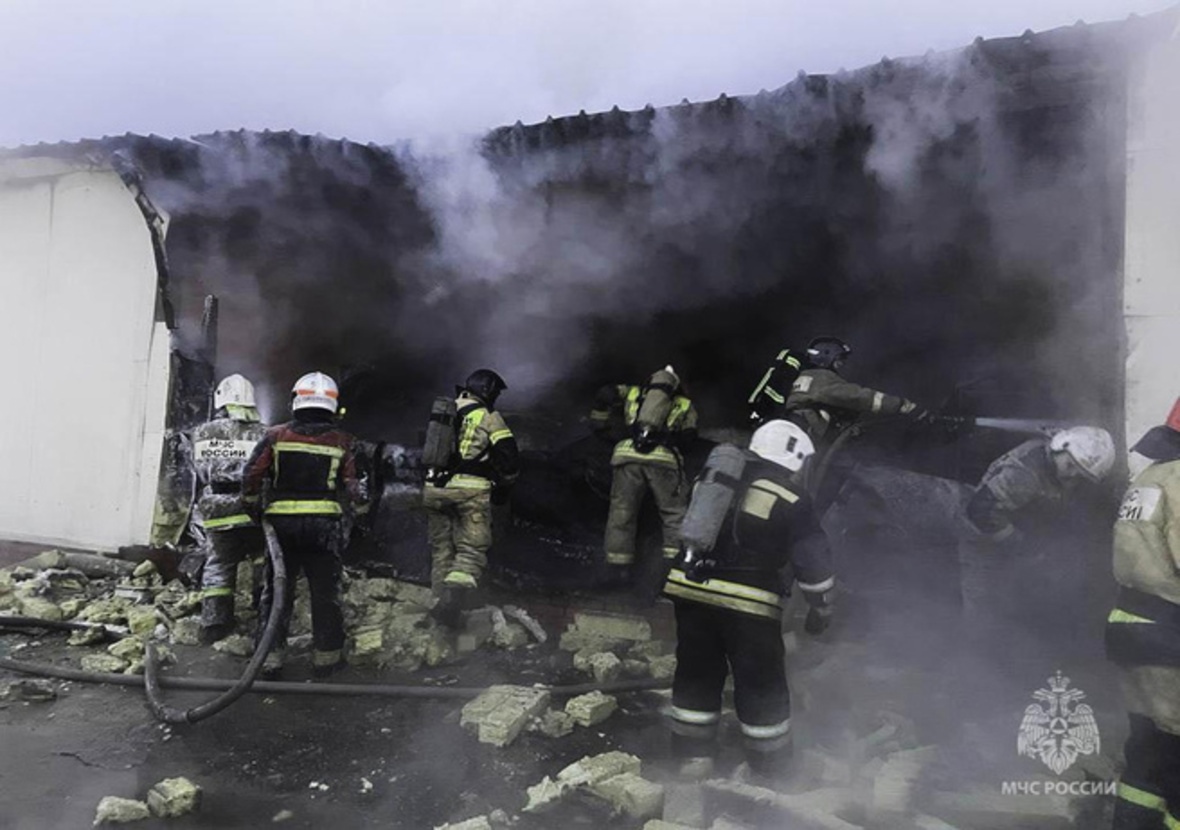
x=724 y=594
x=631 y=408
x=321 y=507
x=499 y=435
x=680 y=407
x=761 y=497
x=1118 y=615
x=243 y=413
x=1141 y=798
x=225 y=522
x=777 y=489
x=471 y=422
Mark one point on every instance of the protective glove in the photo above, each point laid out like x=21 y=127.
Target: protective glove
x=817 y=620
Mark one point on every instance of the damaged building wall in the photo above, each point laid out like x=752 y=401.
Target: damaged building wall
x=87 y=358
x=1152 y=268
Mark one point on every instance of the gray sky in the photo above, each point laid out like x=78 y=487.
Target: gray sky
x=383 y=71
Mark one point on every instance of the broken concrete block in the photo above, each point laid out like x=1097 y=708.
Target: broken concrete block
x=34 y=691
x=438 y=649
x=236 y=645
x=612 y=626
x=663 y=668
x=70 y=608
x=186 y=631
x=631 y=794
x=574 y=640
x=595 y=768
x=65 y=582
x=104 y=663
x=145 y=568
x=114 y=810
x=142 y=619
x=544 y=795
x=502 y=712
x=660 y=824
x=477 y=823
x=38 y=608
x=415 y=594
x=553 y=724
x=367 y=646
x=476 y=630
x=512 y=635
x=534 y=628
x=86 y=637
x=44 y=560
x=592 y=708
x=129 y=648
x=173 y=797
x=606 y=667
x=824 y=769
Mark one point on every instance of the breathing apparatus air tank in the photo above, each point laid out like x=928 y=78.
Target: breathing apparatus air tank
x=655 y=404
x=441 y=448
x=712 y=500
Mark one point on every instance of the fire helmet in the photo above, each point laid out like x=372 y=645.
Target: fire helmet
x=782 y=443
x=233 y=390
x=1173 y=422
x=315 y=390
x=1091 y=448
x=828 y=352
x=485 y=385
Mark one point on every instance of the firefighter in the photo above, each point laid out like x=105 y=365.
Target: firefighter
x=459 y=503
x=220 y=449
x=823 y=402
x=309 y=468
x=659 y=422
x=1143 y=633
x=729 y=607
x=1019 y=491
x=769 y=399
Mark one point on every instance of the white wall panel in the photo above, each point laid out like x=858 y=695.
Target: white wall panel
x=79 y=286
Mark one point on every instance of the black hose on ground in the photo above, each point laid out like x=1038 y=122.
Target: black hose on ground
x=210 y=684
x=151 y=679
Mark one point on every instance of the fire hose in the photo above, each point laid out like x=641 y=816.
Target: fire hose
x=151 y=680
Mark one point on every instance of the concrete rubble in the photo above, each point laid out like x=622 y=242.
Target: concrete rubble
x=114 y=810
x=30 y=690
x=501 y=713
x=173 y=797
x=612 y=777
x=553 y=724
x=592 y=708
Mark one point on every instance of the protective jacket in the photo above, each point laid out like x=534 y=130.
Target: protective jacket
x=488 y=454
x=220 y=449
x=1018 y=483
x=771 y=526
x=310 y=468
x=1143 y=637
x=1144 y=627
x=823 y=400
x=619 y=404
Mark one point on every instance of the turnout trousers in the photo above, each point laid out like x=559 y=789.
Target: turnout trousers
x=710 y=642
x=459 y=526
x=227 y=549
x=630 y=482
x=312 y=547
x=1149 y=791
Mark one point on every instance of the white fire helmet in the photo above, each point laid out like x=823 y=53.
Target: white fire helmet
x=233 y=390
x=1091 y=448
x=782 y=443
x=315 y=390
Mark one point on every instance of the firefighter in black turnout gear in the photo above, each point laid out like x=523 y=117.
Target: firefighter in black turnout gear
x=823 y=402
x=749 y=518
x=309 y=467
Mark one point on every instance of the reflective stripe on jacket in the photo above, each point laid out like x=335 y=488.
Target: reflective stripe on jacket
x=488 y=454
x=220 y=449
x=681 y=418
x=310 y=468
